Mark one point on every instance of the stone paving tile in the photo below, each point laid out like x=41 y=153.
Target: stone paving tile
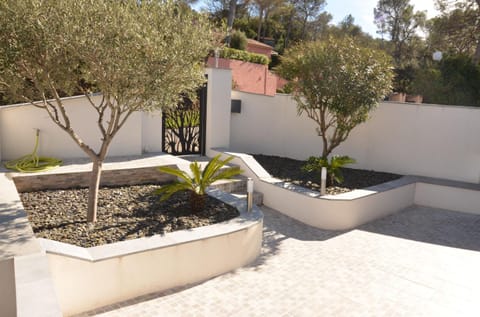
x=414 y=263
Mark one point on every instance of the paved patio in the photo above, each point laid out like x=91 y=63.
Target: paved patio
x=418 y=262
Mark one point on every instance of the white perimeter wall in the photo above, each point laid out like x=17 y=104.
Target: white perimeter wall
x=17 y=124
x=142 y=133
x=428 y=140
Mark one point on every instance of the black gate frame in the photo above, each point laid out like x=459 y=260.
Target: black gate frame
x=202 y=98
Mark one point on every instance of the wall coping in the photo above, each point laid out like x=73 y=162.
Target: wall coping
x=265 y=177
x=23 y=104
x=123 y=248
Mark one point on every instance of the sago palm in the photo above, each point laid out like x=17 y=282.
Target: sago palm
x=333 y=167
x=198 y=182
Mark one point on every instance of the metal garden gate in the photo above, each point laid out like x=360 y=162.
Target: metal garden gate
x=184 y=127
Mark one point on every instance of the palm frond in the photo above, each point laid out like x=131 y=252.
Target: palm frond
x=175 y=172
x=196 y=172
x=166 y=191
x=227 y=173
x=215 y=171
x=340 y=161
x=211 y=167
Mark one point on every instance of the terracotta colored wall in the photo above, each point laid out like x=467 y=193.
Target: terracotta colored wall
x=248 y=77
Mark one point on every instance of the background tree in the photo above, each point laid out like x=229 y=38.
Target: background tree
x=398 y=19
x=232 y=8
x=308 y=10
x=226 y=11
x=336 y=83
x=455 y=80
x=264 y=8
x=347 y=27
x=457 y=28
x=139 y=55
x=320 y=26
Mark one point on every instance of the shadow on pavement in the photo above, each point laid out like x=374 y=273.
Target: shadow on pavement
x=431 y=225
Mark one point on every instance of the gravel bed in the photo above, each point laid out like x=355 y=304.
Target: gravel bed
x=290 y=170
x=124 y=213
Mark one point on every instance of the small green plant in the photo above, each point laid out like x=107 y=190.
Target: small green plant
x=198 y=182
x=334 y=172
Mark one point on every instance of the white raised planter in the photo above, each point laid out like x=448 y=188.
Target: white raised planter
x=88 y=278
x=355 y=208
x=50 y=278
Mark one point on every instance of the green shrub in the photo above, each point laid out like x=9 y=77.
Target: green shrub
x=231 y=53
x=461 y=78
x=238 y=40
x=453 y=81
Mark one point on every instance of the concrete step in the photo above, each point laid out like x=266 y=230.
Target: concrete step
x=237 y=184
x=257 y=197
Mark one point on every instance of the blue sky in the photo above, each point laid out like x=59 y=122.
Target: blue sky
x=362 y=11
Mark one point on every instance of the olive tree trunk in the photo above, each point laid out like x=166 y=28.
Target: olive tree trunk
x=93 y=190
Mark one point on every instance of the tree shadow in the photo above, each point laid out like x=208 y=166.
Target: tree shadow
x=278 y=227
x=14 y=228
x=431 y=225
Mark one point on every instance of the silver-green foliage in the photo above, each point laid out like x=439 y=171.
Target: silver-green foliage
x=336 y=83
x=199 y=180
x=140 y=55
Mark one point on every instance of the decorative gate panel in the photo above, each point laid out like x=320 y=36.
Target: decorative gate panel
x=183 y=127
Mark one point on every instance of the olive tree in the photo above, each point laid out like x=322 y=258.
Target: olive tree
x=336 y=83
x=140 y=55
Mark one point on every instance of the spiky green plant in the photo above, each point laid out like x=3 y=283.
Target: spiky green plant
x=198 y=182
x=334 y=166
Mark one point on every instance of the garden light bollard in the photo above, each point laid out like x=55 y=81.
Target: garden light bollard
x=249 y=194
x=323 y=185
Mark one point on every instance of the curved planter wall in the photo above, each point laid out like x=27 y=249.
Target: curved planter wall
x=86 y=279
x=355 y=208
x=339 y=212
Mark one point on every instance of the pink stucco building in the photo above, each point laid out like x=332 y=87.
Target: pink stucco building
x=250 y=77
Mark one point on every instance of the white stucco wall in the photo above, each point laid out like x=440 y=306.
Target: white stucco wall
x=152 y=132
x=218 y=108
x=17 y=124
x=428 y=140
x=446 y=197
x=86 y=279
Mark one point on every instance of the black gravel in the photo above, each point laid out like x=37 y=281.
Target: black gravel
x=290 y=170
x=124 y=213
